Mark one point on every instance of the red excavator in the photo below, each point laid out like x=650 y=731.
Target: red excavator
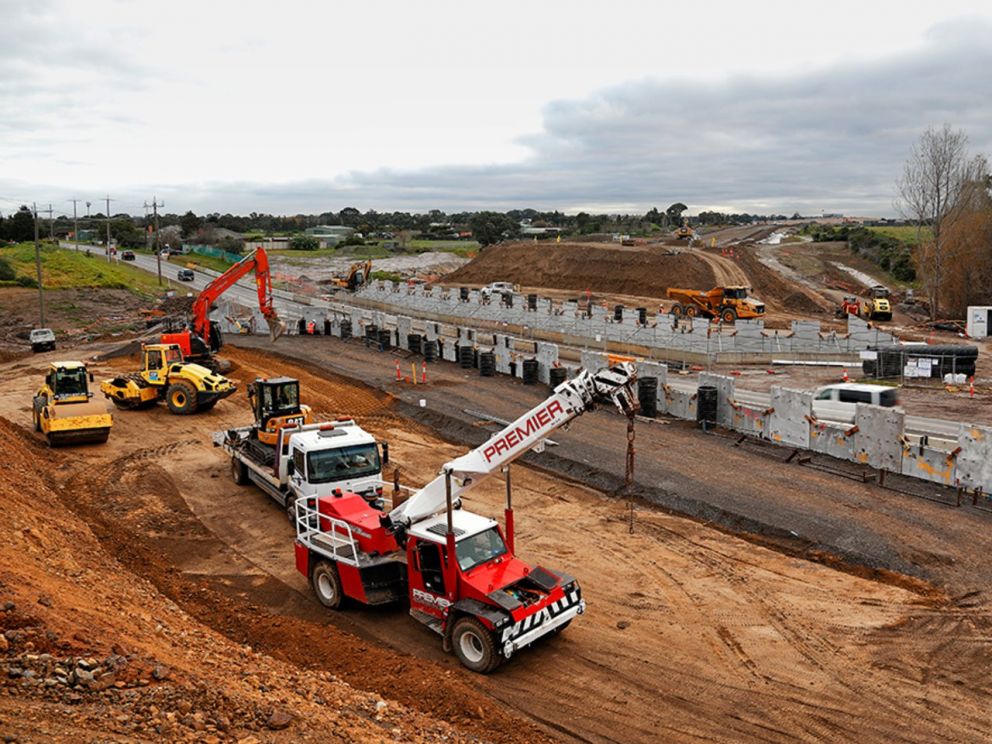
x=201 y=339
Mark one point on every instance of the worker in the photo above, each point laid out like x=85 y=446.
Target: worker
x=311 y=328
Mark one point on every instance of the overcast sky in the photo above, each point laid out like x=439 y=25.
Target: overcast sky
x=291 y=107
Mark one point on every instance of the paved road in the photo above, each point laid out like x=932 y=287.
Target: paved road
x=942 y=433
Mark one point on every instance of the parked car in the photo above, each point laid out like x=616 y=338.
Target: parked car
x=186 y=275
x=42 y=339
x=497 y=288
x=127 y=256
x=839 y=402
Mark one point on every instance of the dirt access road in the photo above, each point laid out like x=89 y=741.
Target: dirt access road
x=691 y=633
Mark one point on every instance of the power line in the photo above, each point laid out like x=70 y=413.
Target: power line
x=37 y=266
x=75 y=224
x=158 y=254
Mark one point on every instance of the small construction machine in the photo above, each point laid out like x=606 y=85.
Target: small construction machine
x=456 y=569
x=726 y=303
x=877 y=305
x=275 y=402
x=357 y=277
x=64 y=409
x=185 y=388
x=684 y=232
x=202 y=338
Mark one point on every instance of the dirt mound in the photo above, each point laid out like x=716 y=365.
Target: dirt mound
x=91 y=650
x=636 y=270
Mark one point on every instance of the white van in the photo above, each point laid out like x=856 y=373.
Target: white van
x=839 y=402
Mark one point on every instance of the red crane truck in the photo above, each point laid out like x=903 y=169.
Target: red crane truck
x=456 y=569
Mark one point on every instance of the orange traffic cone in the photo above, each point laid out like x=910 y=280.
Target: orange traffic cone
x=844 y=376
x=971 y=387
x=399 y=377
x=423 y=371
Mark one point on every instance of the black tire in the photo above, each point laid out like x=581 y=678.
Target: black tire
x=728 y=315
x=475 y=646
x=677 y=310
x=239 y=472
x=181 y=398
x=36 y=417
x=120 y=403
x=291 y=509
x=691 y=311
x=327 y=584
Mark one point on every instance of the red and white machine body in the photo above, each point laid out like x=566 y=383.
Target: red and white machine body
x=448 y=563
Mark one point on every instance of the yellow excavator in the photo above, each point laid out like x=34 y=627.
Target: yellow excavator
x=63 y=408
x=185 y=388
x=358 y=276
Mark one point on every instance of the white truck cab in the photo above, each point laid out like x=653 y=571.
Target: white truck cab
x=307 y=461
x=497 y=288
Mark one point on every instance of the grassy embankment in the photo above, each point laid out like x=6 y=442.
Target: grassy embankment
x=63 y=268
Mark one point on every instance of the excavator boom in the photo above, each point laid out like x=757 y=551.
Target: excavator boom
x=570 y=399
x=257 y=261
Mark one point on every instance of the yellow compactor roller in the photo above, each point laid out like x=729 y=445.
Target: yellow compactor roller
x=63 y=408
x=185 y=388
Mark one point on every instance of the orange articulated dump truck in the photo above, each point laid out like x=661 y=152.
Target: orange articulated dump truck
x=726 y=303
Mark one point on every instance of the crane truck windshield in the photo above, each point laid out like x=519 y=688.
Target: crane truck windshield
x=476 y=550
x=357 y=461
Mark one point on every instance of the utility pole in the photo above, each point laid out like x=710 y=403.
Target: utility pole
x=158 y=255
x=108 y=228
x=37 y=265
x=75 y=224
x=51 y=222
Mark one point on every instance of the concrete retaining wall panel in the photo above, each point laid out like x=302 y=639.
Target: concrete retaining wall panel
x=829 y=439
x=787 y=423
x=929 y=464
x=679 y=403
x=593 y=360
x=974 y=462
x=879 y=439
x=750 y=421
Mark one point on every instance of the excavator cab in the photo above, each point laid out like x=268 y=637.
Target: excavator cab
x=275 y=401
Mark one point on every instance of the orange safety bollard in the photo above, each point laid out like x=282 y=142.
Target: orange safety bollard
x=399 y=377
x=844 y=376
x=423 y=373
x=413 y=372
x=971 y=387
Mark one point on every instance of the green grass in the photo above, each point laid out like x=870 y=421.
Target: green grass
x=463 y=248
x=65 y=268
x=905 y=233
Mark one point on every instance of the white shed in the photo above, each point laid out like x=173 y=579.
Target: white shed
x=979 y=321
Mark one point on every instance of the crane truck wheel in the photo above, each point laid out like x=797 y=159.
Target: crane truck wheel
x=291 y=509
x=474 y=646
x=677 y=310
x=728 y=315
x=181 y=398
x=691 y=311
x=327 y=584
x=239 y=472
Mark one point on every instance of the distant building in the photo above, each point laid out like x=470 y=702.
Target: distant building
x=329 y=235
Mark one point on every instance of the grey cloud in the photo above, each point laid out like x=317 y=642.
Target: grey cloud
x=833 y=139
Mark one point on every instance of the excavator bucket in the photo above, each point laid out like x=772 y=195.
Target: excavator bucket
x=276 y=327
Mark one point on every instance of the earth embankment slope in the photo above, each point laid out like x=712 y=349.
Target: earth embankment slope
x=630 y=270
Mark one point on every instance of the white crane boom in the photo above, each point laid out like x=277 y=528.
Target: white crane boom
x=570 y=399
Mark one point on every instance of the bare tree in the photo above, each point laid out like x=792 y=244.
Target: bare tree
x=938 y=171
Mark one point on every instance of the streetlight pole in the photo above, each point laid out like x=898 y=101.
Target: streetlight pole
x=75 y=225
x=37 y=265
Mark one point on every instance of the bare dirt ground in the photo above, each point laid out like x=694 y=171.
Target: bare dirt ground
x=691 y=633
x=76 y=315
